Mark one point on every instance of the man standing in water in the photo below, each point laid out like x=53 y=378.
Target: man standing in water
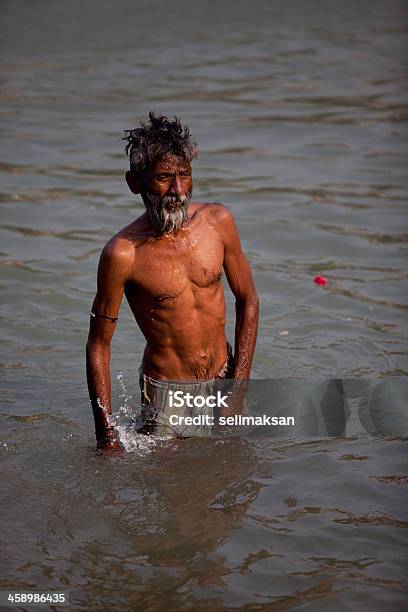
x=169 y=263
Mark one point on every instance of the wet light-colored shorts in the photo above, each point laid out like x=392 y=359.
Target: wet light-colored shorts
x=161 y=412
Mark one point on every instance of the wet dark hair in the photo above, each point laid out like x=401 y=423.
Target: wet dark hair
x=156 y=138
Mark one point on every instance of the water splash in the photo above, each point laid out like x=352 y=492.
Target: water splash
x=140 y=443
x=126 y=421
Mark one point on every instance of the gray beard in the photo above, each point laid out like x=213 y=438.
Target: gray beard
x=164 y=219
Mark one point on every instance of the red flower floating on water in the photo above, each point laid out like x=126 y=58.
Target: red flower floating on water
x=320 y=280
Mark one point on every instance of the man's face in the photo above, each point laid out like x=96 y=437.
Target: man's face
x=167 y=193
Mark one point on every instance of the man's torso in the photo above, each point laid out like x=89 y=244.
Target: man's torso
x=175 y=292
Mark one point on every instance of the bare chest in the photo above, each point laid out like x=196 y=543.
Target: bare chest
x=167 y=268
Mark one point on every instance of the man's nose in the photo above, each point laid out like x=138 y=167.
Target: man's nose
x=176 y=186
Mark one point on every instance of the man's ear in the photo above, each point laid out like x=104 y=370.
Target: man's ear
x=133 y=182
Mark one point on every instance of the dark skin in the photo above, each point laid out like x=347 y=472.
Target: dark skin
x=173 y=286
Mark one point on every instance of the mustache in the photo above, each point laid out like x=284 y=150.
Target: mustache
x=169 y=201
x=162 y=213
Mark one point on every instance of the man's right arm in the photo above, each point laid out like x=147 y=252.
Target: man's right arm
x=113 y=269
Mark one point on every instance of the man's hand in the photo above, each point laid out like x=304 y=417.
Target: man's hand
x=236 y=397
x=109 y=441
x=113 y=446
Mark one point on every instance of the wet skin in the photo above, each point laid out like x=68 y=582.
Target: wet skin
x=173 y=286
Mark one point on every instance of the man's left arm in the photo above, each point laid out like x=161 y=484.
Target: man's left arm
x=240 y=280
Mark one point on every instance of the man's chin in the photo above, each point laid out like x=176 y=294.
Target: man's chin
x=166 y=216
x=174 y=220
x=172 y=207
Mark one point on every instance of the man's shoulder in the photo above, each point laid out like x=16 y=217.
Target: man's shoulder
x=216 y=212
x=220 y=218
x=118 y=252
x=122 y=245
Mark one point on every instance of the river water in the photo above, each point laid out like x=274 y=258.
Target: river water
x=299 y=110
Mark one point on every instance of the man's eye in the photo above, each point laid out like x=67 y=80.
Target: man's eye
x=167 y=177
